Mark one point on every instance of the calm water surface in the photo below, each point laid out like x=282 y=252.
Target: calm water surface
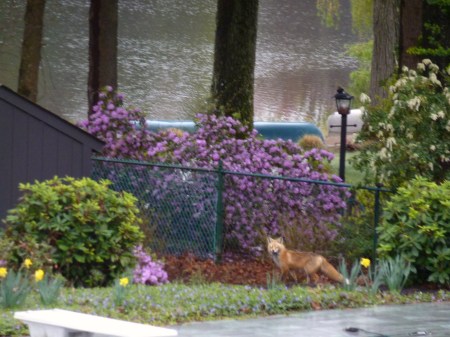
x=166 y=57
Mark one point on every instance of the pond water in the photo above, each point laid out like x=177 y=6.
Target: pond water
x=166 y=57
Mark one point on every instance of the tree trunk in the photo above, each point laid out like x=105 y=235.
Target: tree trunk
x=31 y=49
x=103 y=27
x=411 y=23
x=234 y=59
x=386 y=35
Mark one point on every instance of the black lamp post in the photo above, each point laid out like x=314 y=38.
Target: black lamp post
x=343 y=103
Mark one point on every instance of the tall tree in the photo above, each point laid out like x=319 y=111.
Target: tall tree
x=411 y=23
x=103 y=28
x=386 y=35
x=31 y=49
x=234 y=59
x=425 y=32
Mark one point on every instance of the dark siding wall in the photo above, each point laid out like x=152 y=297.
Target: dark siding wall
x=37 y=145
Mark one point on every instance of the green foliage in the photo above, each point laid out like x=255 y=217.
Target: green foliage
x=360 y=78
x=328 y=11
x=120 y=291
x=87 y=230
x=362 y=17
x=14 y=289
x=356 y=235
x=49 y=289
x=350 y=276
x=409 y=132
x=394 y=272
x=274 y=281
x=416 y=225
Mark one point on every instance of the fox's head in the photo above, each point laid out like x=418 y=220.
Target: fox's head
x=274 y=246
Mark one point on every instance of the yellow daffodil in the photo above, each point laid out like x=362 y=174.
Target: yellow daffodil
x=123 y=281
x=3 y=272
x=365 y=262
x=39 y=275
x=27 y=263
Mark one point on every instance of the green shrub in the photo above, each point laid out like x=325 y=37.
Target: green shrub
x=85 y=230
x=356 y=237
x=416 y=225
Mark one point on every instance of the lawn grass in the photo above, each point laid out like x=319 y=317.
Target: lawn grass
x=352 y=175
x=176 y=303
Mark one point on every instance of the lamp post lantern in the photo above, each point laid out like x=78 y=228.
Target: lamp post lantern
x=343 y=103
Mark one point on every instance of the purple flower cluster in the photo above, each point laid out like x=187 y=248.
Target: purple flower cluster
x=254 y=206
x=117 y=127
x=147 y=271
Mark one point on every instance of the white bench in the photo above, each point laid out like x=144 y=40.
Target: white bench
x=63 y=323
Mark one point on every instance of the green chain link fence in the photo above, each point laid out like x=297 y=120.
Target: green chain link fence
x=177 y=204
x=183 y=210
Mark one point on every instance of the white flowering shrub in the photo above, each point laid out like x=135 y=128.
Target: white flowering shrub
x=408 y=134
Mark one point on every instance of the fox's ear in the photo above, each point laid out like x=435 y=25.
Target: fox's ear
x=269 y=239
x=280 y=239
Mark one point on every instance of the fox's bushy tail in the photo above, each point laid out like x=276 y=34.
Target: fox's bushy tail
x=328 y=269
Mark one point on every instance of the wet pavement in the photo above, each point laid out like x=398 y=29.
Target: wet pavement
x=425 y=319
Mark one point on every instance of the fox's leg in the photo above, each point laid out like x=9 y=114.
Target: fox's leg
x=293 y=275
x=311 y=269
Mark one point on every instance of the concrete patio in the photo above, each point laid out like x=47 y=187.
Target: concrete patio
x=425 y=319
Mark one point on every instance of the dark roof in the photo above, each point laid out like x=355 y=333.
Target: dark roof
x=50 y=118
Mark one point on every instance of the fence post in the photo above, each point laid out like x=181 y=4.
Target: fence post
x=219 y=214
x=376 y=219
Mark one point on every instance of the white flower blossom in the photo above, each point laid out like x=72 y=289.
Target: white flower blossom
x=426 y=61
x=383 y=153
x=434 y=117
x=391 y=112
x=390 y=142
x=441 y=114
x=389 y=127
x=401 y=82
x=414 y=103
x=392 y=89
x=412 y=74
x=434 y=68
x=431 y=166
x=421 y=66
x=405 y=69
x=433 y=79
x=433 y=148
x=364 y=98
x=409 y=135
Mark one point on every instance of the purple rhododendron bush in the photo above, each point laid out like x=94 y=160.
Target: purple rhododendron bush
x=254 y=206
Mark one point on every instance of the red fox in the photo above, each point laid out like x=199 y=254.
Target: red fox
x=290 y=260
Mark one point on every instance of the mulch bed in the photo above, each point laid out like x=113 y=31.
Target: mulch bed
x=242 y=271
x=232 y=270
